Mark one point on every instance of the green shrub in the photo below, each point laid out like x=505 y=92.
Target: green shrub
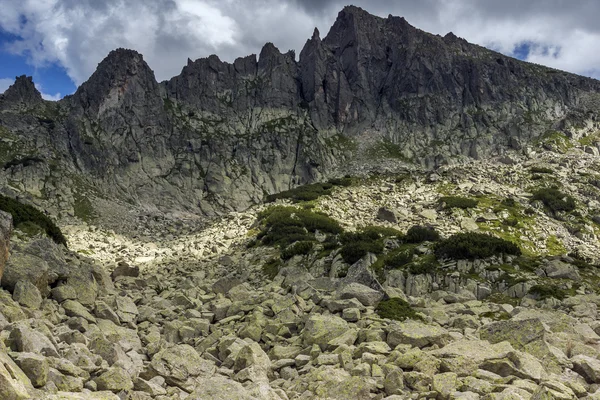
x=396 y=308
x=427 y=264
x=345 y=181
x=367 y=240
x=309 y=192
x=458 y=202
x=419 y=234
x=543 y=292
x=399 y=257
x=354 y=251
x=283 y=226
x=24 y=213
x=554 y=199
x=509 y=202
x=298 y=248
x=30 y=229
x=471 y=245
x=540 y=170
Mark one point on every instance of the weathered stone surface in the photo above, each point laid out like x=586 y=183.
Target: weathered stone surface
x=219 y=388
x=180 y=362
x=26 y=339
x=26 y=267
x=27 y=294
x=417 y=334
x=76 y=309
x=124 y=269
x=5 y=231
x=320 y=329
x=14 y=384
x=35 y=366
x=587 y=367
x=364 y=294
x=385 y=214
x=115 y=380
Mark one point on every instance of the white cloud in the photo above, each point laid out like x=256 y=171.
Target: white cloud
x=52 y=97
x=78 y=34
x=5 y=83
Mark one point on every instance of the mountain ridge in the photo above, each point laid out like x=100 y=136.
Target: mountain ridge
x=374 y=94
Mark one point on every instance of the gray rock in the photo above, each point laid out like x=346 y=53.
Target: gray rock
x=385 y=214
x=75 y=309
x=115 y=379
x=26 y=267
x=124 y=269
x=5 y=232
x=588 y=367
x=219 y=388
x=417 y=334
x=178 y=363
x=364 y=294
x=320 y=329
x=27 y=294
x=35 y=366
x=26 y=339
x=14 y=384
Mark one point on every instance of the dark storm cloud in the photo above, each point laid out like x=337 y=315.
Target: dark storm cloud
x=77 y=34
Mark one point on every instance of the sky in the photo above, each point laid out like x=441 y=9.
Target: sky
x=60 y=42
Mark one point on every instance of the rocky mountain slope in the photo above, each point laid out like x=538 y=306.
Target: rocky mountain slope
x=373 y=94
x=397 y=215
x=235 y=309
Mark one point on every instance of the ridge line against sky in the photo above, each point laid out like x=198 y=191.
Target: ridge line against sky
x=60 y=42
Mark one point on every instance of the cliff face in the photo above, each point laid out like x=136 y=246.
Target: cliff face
x=221 y=136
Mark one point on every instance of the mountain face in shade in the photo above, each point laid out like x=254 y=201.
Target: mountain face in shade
x=374 y=94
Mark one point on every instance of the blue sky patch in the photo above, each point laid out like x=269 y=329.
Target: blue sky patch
x=52 y=78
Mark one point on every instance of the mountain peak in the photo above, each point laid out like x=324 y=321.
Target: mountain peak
x=122 y=70
x=23 y=91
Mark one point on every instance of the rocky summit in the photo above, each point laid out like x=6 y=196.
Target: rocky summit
x=391 y=215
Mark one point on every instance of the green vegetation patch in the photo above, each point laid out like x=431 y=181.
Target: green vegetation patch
x=554 y=199
x=83 y=208
x=367 y=240
x=299 y=248
x=284 y=226
x=427 y=264
x=543 y=292
x=387 y=149
x=25 y=215
x=457 y=202
x=420 y=234
x=309 y=192
x=397 y=309
x=472 y=245
x=541 y=170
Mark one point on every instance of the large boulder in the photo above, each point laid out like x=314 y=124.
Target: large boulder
x=528 y=335
x=5 y=232
x=464 y=357
x=27 y=267
x=26 y=339
x=35 y=366
x=219 y=388
x=417 y=334
x=179 y=363
x=14 y=384
x=27 y=294
x=364 y=294
x=115 y=380
x=360 y=272
x=321 y=329
x=588 y=367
